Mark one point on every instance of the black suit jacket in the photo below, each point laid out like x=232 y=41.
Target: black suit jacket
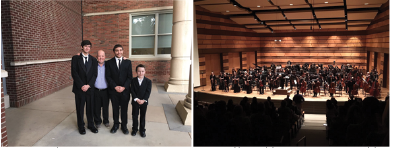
x=82 y=75
x=118 y=77
x=141 y=92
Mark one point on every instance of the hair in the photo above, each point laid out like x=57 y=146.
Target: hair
x=117 y=45
x=86 y=42
x=140 y=65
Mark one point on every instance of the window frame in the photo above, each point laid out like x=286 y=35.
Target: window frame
x=155 y=56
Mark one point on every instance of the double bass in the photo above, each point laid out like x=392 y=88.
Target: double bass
x=355 y=89
x=332 y=88
x=374 y=91
x=303 y=88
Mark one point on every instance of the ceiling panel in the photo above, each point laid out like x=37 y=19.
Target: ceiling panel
x=265 y=8
x=281 y=27
x=298 y=14
x=358 y=22
x=333 y=26
x=211 y=2
x=316 y=5
x=277 y=22
x=303 y=22
x=235 y=12
x=254 y=3
x=244 y=20
x=361 y=15
x=295 y=6
x=255 y=26
x=265 y=30
x=288 y=2
x=329 y=13
x=302 y=26
x=332 y=21
x=363 y=2
x=270 y=16
x=221 y=8
x=363 y=6
x=357 y=28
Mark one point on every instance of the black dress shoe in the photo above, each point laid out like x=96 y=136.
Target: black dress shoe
x=125 y=130
x=93 y=129
x=82 y=131
x=114 y=129
x=143 y=134
x=133 y=133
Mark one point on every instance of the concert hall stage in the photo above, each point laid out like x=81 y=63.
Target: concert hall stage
x=312 y=105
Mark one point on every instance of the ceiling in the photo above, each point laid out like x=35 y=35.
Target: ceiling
x=268 y=15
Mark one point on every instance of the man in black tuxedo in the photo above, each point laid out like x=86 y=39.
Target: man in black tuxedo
x=140 y=91
x=84 y=73
x=118 y=73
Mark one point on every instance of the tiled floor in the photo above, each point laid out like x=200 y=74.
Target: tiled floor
x=51 y=121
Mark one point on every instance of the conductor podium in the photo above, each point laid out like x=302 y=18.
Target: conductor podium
x=281 y=91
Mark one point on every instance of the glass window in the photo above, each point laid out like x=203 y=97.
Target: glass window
x=151 y=37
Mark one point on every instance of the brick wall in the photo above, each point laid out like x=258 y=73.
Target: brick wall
x=105 y=31
x=4 y=138
x=39 y=30
x=90 y=6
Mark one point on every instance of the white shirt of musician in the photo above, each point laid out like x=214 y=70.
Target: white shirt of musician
x=140 y=83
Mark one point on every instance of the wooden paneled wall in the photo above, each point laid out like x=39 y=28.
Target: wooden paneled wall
x=377 y=43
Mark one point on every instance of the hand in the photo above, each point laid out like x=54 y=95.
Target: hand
x=121 y=89
x=78 y=54
x=85 y=88
x=140 y=102
x=117 y=88
x=124 y=58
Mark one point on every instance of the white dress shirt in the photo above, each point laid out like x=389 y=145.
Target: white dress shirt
x=140 y=83
x=84 y=59
x=117 y=61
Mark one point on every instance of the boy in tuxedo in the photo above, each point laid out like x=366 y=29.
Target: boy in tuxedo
x=140 y=91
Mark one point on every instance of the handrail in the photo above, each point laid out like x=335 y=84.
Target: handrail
x=304 y=139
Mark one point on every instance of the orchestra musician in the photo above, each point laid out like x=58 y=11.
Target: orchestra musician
x=235 y=85
x=317 y=87
x=213 y=81
x=221 y=87
x=226 y=82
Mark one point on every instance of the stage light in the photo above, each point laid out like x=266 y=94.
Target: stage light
x=279 y=40
x=227 y=11
x=258 y=6
x=365 y=3
x=275 y=40
x=291 y=4
x=326 y=2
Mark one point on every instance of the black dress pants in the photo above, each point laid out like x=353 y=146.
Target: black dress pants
x=80 y=101
x=101 y=99
x=136 y=111
x=121 y=99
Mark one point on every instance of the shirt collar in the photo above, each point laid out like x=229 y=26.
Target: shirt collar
x=140 y=79
x=84 y=55
x=121 y=58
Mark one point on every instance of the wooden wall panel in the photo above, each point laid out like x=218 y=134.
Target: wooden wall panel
x=212 y=64
x=234 y=61
x=202 y=70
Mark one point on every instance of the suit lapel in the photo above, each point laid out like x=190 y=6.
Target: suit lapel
x=81 y=64
x=114 y=64
x=143 y=85
x=89 y=63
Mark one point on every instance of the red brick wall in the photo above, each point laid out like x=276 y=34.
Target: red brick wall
x=4 y=139
x=39 y=30
x=105 y=31
x=90 y=6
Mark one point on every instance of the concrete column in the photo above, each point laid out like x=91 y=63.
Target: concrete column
x=183 y=108
x=181 y=46
x=195 y=61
